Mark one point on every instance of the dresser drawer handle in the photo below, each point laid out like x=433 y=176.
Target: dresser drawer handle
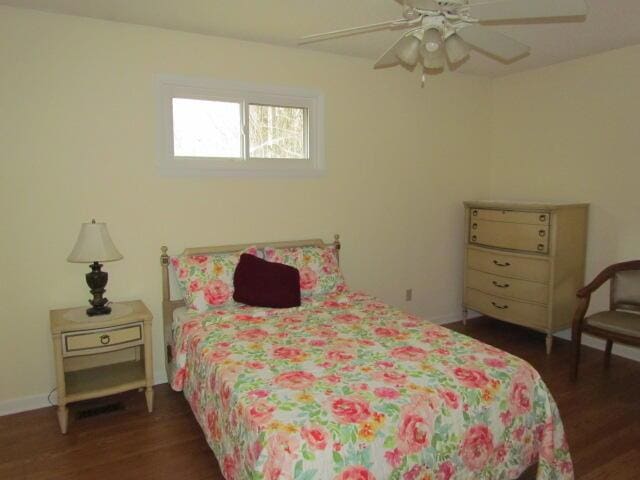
x=500 y=307
x=475 y=213
x=543 y=218
x=474 y=238
x=474 y=226
x=505 y=264
x=542 y=233
x=540 y=247
x=105 y=339
x=501 y=285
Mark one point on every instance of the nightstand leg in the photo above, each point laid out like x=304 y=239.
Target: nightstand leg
x=149 y=394
x=549 y=342
x=63 y=418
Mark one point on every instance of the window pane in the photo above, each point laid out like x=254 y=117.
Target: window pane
x=277 y=132
x=204 y=128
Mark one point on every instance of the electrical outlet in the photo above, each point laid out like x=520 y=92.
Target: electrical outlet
x=408 y=296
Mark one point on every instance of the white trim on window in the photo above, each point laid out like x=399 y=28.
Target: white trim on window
x=169 y=87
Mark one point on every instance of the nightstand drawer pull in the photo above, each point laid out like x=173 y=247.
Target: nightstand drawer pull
x=105 y=339
x=500 y=307
x=500 y=285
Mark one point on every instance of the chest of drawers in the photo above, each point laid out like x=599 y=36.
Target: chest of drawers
x=524 y=262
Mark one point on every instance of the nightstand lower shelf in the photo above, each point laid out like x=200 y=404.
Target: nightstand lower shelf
x=105 y=380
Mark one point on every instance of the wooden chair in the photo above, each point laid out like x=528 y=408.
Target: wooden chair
x=618 y=324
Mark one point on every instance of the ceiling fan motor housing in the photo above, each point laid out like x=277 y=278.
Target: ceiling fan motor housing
x=436 y=5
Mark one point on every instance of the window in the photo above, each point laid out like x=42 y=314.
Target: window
x=223 y=128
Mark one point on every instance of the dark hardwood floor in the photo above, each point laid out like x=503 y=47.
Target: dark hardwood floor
x=601 y=414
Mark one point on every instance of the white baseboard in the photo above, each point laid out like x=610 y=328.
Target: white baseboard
x=34 y=402
x=453 y=317
x=620 y=350
x=444 y=319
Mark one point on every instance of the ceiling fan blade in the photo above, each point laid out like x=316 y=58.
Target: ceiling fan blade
x=520 y=9
x=493 y=43
x=389 y=58
x=422 y=4
x=401 y=22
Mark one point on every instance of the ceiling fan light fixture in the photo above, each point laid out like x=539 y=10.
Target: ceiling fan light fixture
x=457 y=49
x=432 y=40
x=408 y=50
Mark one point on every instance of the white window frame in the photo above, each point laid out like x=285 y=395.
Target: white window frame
x=169 y=87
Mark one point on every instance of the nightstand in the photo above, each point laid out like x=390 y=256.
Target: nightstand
x=102 y=355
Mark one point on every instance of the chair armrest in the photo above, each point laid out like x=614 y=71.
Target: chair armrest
x=597 y=282
x=581 y=311
x=586 y=291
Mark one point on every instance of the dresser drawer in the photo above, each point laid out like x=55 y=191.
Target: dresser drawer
x=510 y=216
x=514 y=311
x=505 y=265
x=102 y=340
x=508 y=287
x=514 y=236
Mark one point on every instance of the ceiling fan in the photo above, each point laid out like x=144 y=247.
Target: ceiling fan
x=444 y=31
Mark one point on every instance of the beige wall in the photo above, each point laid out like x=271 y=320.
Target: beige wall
x=77 y=139
x=77 y=133
x=571 y=132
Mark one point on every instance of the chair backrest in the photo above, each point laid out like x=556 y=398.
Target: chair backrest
x=625 y=290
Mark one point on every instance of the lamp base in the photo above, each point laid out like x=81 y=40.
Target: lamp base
x=97 y=280
x=95 y=311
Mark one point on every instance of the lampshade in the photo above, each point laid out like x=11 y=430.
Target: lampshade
x=432 y=40
x=408 y=50
x=94 y=245
x=433 y=60
x=457 y=49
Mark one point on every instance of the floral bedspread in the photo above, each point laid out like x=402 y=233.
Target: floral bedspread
x=346 y=387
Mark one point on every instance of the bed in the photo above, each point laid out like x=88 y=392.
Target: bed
x=346 y=387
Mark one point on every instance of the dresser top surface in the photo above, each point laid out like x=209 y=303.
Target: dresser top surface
x=524 y=206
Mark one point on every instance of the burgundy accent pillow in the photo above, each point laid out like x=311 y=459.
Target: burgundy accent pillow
x=260 y=283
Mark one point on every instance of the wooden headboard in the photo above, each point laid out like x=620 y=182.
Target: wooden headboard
x=168 y=305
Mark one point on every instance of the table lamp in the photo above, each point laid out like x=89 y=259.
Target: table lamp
x=94 y=245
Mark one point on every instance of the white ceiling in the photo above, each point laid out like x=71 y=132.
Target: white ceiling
x=610 y=24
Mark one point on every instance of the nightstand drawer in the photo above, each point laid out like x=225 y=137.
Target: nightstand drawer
x=102 y=340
